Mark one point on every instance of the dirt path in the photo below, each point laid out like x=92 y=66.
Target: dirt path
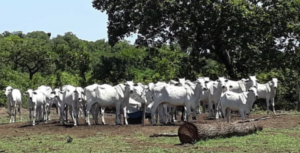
x=22 y=128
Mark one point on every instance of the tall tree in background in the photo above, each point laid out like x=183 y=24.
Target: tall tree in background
x=233 y=30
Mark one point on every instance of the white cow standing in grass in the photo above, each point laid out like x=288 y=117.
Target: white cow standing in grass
x=177 y=96
x=56 y=99
x=14 y=102
x=72 y=97
x=109 y=96
x=242 y=102
x=47 y=90
x=35 y=107
x=268 y=91
x=39 y=105
x=215 y=91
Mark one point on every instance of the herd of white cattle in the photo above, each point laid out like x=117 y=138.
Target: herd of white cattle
x=160 y=97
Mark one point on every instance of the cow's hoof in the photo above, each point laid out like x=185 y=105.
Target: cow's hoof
x=194 y=118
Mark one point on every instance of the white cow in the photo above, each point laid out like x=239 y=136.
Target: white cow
x=57 y=99
x=268 y=91
x=110 y=96
x=204 y=94
x=177 y=96
x=35 y=109
x=39 y=105
x=72 y=96
x=242 y=102
x=14 y=102
x=47 y=90
x=215 y=94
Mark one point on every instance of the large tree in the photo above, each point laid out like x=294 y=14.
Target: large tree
x=234 y=30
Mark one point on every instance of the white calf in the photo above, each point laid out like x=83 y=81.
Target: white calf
x=241 y=102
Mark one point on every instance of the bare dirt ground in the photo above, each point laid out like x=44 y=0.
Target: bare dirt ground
x=53 y=126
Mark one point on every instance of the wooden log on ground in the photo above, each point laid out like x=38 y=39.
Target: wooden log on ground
x=191 y=133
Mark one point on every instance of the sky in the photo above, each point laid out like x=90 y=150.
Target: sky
x=55 y=16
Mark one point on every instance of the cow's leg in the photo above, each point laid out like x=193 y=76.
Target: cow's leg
x=273 y=105
x=228 y=114
x=14 y=114
x=125 y=115
x=224 y=112
x=34 y=114
x=95 y=112
x=165 y=113
x=242 y=113
x=203 y=107
x=187 y=109
x=210 y=109
x=88 y=109
x=19 y=110
x=118 y=114
x=44 y=112
x=174 y=114
x=30 y=114
x=153 y=109
x=161 y=113
x=9 y=113
x=75 y=115
x=268 y=105
x=62 y=112
x=56 y=107
x=183 y=113
x=102 y=115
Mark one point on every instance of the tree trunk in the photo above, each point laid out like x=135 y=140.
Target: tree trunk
x=191 y=133
x=30 y=75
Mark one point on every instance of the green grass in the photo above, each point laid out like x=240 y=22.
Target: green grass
x=268 y=140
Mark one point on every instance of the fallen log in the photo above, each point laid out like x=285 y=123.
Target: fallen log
x=191 y=133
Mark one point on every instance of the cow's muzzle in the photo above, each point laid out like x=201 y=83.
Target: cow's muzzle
x=131 y=91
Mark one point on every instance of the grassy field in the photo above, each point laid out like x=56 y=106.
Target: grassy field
x=279 y=136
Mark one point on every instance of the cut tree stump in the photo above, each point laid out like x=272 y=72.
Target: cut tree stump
x=191 y=133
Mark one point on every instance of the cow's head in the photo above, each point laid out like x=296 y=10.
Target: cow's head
x=201 y=83
x=8 y=90
x=79 y=93
x=206 y=79
x=252 y=81
x=222 y=81
x=254 y=91
x=181 y=81
x=274 y=82
x=130 y=85
x=29 y=93
x=141 y=91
